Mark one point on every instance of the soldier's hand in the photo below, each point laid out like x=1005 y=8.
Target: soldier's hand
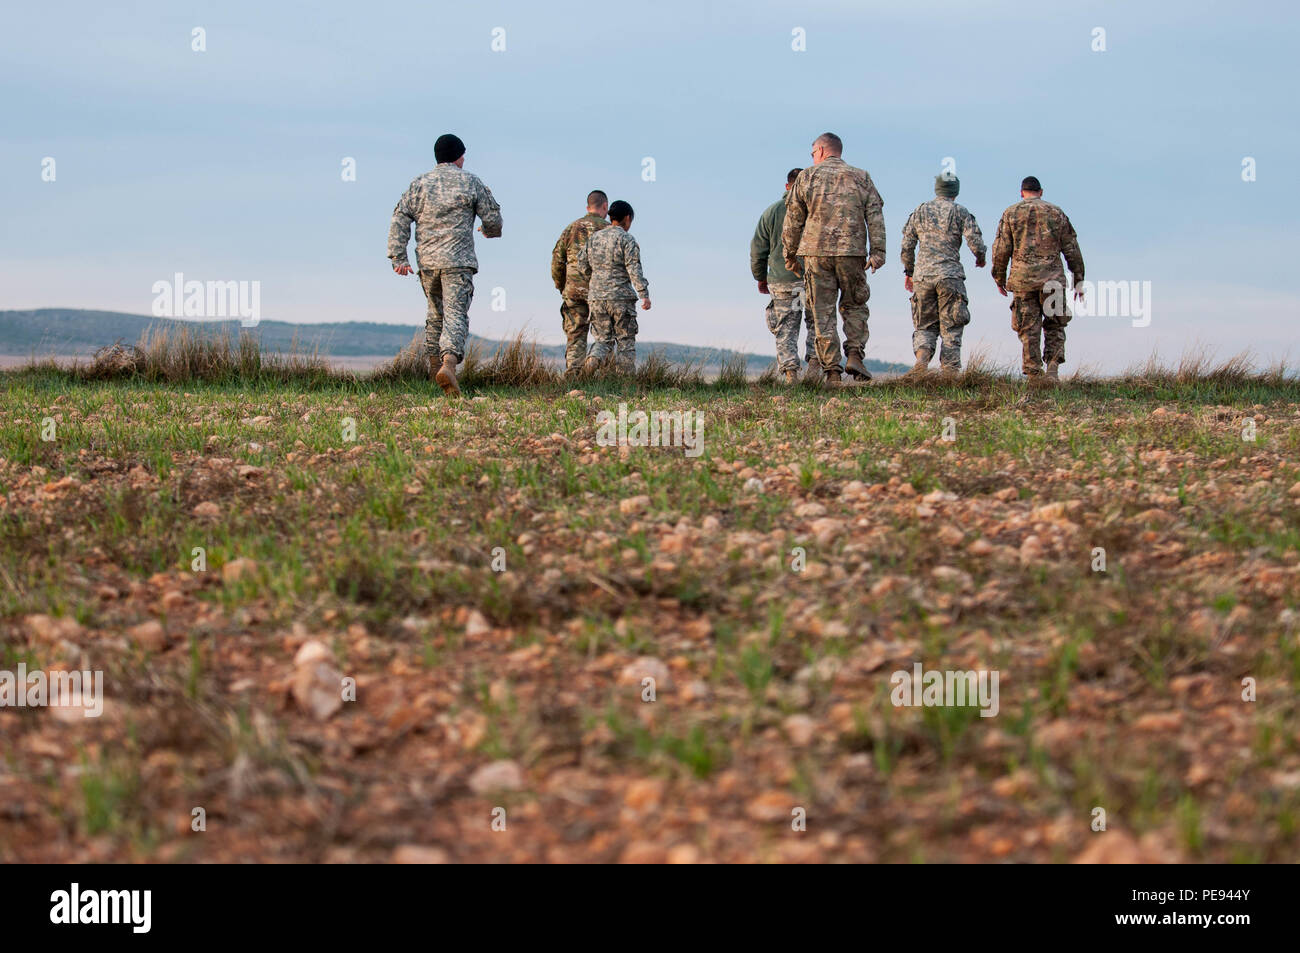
x=1002 y=289
x=980 y=263
x=907 y=282
x=876 y=262
x=1078 y=292
x=402 y=269
x=793 y=265
x=762 y=288
x=645 y=304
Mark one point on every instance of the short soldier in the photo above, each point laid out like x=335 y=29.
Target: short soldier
x=1032 y=237
x=785 y=310
x=611 y=258
x=833 y=210
x=932 y=263
x=443 y=204
x=572 y=283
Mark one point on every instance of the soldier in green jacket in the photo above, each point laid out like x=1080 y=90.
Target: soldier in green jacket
x=785 y=310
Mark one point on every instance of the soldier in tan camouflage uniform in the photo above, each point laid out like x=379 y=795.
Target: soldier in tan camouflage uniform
x=443 y=204
x=1032 y=237
x=611 y=258
x=935 y=275
x=785 y=310
x=572 y=283
x=831 y=213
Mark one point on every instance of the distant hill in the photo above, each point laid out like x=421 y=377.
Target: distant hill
x=72 y=331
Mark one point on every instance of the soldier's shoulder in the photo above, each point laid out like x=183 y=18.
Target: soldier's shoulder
x=862 y=176
x=1058 y=212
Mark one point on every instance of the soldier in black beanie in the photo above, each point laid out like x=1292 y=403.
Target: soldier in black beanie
x=442 y=204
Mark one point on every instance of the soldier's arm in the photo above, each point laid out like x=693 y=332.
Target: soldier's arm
x=875 y=215
x=399 y=230
x=1070 y=249
x=908 y=250
x=488 y=211
x=760 y=246
x=1002 y=249
x=632 y=261
x=559 y=259
x=796 y=213
x=974 y=240
x=584 y=260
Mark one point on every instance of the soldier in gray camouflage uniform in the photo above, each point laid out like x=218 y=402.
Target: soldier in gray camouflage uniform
x=611 y=258
x=832 y=212
x=442 y=204
x=785 y=310
x=935 y=275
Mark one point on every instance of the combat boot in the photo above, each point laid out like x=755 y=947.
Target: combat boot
x=922 y=364
x=855 y=368
x=792 y=377
x=435 y=362
x=832 y=377
x=446 y=376
x=1053 y=369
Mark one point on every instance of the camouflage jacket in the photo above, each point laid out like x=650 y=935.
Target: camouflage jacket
x=766 y=253
x=571 y=282
x=833 y=209
x=443 y=204
x=612 y=259
x=938 y=227
x=1032 y=237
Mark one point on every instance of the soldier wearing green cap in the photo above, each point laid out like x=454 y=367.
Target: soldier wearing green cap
x=931 y=253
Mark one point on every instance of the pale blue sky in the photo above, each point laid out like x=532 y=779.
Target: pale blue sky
x=225 y=164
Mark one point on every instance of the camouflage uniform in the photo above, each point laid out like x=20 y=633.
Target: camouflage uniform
x=612 y=259
x=572 y=285
x=938 y=279
x=785 y=309
x=443 y=204
x=785 y=313
x=833 y=209
x=1032 y=237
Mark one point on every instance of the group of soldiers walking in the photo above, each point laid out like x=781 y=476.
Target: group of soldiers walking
x=811 y=252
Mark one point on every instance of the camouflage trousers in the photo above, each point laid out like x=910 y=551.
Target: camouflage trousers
x=842 y=277
x=1037 y=329
x=939 y=311
x=449 y=290
x=577 y=320
x=785 y=312
x=613 y=331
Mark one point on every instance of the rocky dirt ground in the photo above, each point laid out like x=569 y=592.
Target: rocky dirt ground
x=357 y=623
